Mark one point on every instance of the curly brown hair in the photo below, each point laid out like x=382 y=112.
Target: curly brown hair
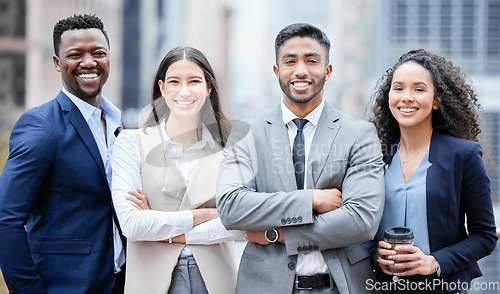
x=457 y=113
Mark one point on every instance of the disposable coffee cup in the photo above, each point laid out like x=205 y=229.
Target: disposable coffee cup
x=398 y=236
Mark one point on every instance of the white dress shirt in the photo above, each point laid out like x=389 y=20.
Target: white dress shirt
x=111 y=114
x=313 y=262
x=153 y=225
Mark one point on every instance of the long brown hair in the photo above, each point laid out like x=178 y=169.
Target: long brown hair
x=211 y=112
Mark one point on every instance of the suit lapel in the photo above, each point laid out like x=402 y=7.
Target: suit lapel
x=277 y=134
x=173 y=182
x=322 y=143
x=435 y=218
x=201 y=188
x=76 y=119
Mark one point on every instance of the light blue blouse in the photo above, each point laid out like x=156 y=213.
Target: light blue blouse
x=405 y=202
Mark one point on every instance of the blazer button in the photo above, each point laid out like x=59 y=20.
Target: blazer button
x=283 y=221
x=299 y=249
x=288 y=220
x=291 y=266
x=294 y=219
x=309 y=248
x=299 y=219
x=316 y=247
x=12 y=290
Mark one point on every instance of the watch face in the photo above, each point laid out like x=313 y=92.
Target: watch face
x=271 y=236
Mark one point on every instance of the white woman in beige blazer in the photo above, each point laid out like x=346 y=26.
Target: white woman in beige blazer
x=163 y=186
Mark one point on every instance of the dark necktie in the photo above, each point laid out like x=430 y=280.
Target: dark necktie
x=299 y=153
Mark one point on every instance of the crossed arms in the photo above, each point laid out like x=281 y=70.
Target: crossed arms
x=243 y=206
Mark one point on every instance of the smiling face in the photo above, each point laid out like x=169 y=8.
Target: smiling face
x=184 y=88
x=83 y=63
x=302 y=71
x=411 y=97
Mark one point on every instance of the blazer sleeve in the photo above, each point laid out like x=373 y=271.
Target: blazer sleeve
x=32 y=145
x=363 y=194
x=476 y=200
x=239 y=204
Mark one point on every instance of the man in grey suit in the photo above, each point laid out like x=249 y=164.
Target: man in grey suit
x=304 y=222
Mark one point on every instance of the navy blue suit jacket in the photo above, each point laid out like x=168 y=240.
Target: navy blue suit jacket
x=54 y=183
x=457 y=185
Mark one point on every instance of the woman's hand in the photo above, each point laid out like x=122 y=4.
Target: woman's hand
x=415 y=261
x=382 y=256
x=138 y=199
x=410 y=258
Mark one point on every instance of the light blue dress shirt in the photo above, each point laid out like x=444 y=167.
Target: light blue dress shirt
x=406 y=202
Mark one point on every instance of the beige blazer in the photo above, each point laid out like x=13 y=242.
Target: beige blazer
x=150 y=264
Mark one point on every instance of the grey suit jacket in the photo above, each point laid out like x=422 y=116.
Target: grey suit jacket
x=256 y=191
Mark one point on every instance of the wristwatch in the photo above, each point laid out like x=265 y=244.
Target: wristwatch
x=272 y=236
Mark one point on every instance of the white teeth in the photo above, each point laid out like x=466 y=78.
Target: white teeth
x=300 y=85
x=407 y=110
x=87 y=76
x=184 y=102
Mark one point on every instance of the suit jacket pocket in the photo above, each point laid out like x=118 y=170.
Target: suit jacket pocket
x=251 y=257
x=356 y=253
x=64 y=246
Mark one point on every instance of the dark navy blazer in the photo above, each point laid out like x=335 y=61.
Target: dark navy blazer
x=457 y=185
x=54 y=182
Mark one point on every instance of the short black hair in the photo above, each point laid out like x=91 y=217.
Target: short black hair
x=302 y=30
x=76 y=22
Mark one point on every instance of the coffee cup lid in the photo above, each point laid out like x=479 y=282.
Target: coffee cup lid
x=398 y=233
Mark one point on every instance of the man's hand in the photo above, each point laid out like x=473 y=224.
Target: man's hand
x=326 y=200
x=201 y=215
x=259 y=237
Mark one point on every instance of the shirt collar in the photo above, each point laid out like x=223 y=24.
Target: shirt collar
x=174 y=149
x=110 y=112
x=312 y=117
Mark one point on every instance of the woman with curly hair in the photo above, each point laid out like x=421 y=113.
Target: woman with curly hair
x=425 y=112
